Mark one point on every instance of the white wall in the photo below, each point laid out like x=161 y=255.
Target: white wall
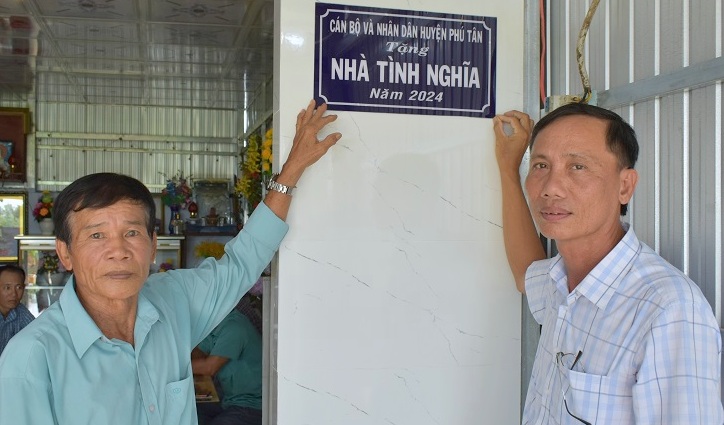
x=392 y=297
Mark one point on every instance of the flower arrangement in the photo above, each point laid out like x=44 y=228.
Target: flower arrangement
x=209 y=249
x=44 y=208
x=50 y=263
x=177 y=192
x=249 y=184
x=166 y=266
x=266 y=154
x=255 y=168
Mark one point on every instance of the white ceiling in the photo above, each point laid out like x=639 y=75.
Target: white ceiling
x=192 y=53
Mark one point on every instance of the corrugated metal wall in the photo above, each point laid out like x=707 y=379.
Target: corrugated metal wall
x=13 y=100
x=142 y=141
x=259 y=107
x=658 y=64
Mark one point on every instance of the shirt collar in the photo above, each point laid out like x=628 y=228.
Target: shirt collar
x=81 y=327
x=604 y=280
x=12 y=314
x=146 y=316
x=15 y=313
x=84 y=331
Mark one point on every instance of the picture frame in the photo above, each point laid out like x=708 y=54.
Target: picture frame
x=212 y=193
x=160 y=213
x=6 y=152
x=15 y=125
x=13 y=222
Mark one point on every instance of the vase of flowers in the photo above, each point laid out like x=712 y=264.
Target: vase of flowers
x=177 y=191
x=50 y=273
x=47 y=228
x=176 y=196
x=51 y=268
x=175 y=223
x=43 y=213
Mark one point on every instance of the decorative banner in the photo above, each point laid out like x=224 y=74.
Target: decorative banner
x=407 y=62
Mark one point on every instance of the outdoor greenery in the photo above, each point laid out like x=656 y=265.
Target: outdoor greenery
x=9 y=216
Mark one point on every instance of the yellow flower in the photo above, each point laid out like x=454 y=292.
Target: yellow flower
x=253 y=156
x=243 y=186
x=255 y=167
x=209 y=249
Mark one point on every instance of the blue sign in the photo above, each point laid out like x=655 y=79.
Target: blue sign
x=407 y=62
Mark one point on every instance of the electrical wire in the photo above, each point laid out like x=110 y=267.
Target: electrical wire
x=542 y=51
x=579 y=51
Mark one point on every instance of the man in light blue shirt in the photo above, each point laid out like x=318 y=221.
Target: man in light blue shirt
x=116 y=347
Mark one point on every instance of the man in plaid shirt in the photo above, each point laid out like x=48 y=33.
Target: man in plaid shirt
x=14 y=316
x=626 y=337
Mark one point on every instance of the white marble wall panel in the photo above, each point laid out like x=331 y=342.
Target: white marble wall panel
x=393 y=299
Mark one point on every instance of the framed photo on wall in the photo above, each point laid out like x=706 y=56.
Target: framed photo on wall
x=14 y=129
x=12 y=223
x=160 y=214
x=6 y=156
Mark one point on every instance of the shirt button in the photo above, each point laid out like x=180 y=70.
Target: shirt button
x=152 y=408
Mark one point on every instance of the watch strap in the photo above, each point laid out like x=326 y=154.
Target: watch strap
x=278 y=187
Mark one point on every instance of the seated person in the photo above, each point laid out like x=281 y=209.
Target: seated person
x=13 y=315
x=250 y=306
x=232 y=354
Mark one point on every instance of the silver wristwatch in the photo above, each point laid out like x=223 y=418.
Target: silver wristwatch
x=278 y=187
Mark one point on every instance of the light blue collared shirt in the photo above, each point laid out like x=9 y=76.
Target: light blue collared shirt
x=635 y=342
x=62 y=370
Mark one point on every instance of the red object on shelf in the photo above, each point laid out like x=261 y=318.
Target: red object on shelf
x=193 y=209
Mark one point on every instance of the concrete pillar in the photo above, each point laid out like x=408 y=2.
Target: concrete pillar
x=391 y=299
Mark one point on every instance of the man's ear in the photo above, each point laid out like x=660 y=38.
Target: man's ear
x=64 y=254
x=627 y=184
x=154 y=240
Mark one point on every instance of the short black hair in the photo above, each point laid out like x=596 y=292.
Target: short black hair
x=100 y=190
x=620 y=136
x=14 y=269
